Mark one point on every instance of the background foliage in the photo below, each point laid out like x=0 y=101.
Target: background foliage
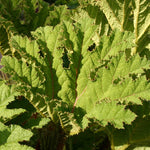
x=75 y=74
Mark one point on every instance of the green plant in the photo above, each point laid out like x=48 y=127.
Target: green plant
x=83 y=78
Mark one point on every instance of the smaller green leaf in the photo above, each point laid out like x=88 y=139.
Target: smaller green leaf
x=69 y=123
x=52 y=110
x=8 y=114
x=30 y=75
x=37 y=122
x=84 y=123
x=59 y=112
x=13 y=135
x=7 y=95
x=15 y=146
x=18 y=134
x=28 y=49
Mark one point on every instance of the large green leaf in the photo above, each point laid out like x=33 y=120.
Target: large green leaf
x=74 y=40
x=114 y=82
x=79 y=71
x=56 y=79
x=49 y=41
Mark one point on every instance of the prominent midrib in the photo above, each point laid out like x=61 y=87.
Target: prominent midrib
x=51 y=70
x=77 y=74
x=52 y=78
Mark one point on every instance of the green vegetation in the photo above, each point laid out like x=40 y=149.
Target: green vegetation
x=75 y=75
